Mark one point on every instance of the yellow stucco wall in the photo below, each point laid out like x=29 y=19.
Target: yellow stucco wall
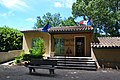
x=49 y=44
x=27 y=40
x=88 y=38
x=108 y=57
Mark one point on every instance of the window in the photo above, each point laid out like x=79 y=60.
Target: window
x=59 y=46
x=33 y=41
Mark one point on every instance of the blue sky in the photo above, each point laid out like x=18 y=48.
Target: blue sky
x=21 y=14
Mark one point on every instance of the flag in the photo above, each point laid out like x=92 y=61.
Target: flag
x=45 y=29
x=87 y=22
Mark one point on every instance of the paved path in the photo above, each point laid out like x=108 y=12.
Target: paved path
x=21 y=73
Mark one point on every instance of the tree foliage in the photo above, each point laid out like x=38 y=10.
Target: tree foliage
x=54 y=20
x=10 y=39
x=104 y=14
x=38 y=50
x=68 y=22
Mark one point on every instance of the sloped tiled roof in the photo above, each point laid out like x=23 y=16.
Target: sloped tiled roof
x=65 y=29
x=70 y=29
x=39 y=29
x=105 y=42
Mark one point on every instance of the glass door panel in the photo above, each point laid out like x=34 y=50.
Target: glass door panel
x=59 y=46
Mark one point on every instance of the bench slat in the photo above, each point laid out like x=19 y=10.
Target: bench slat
x=41 y=67
x=41 y=64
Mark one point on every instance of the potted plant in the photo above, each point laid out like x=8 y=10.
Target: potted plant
x=38 y=50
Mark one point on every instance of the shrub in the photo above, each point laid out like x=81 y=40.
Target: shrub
x=26 y=57
x=10 y=39
x=38 y=50
x=20 y=58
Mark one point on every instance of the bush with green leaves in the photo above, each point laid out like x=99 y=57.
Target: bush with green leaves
x=38 y=50
x=20 y=58
x=35 y=52
x=10 y=39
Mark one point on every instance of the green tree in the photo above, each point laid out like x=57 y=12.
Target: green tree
x=68 y=22
x=104 y=14
x=54 y=20
x=10 y=39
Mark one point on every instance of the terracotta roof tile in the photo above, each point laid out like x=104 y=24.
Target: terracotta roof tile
x=70 y=29
x=107 y=42
x=65 y=28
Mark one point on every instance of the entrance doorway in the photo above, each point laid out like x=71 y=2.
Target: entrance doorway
x=79 y=46
x=59 y=46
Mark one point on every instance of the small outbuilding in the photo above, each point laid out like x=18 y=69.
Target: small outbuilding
x=71 y=41
x=107 y=51
x=75 y=41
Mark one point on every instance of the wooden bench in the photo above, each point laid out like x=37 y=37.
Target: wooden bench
x=41 y=64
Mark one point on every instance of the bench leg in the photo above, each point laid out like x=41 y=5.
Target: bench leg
x=31 y=69
x=51 y=71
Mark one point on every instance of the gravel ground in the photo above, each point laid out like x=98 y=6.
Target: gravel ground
x=21 y=73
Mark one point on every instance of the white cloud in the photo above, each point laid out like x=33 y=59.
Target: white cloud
x=10 y=13
x=31 y=19
x=14 y=4
x=57 y=4
x=64 y=3
x=69 y=3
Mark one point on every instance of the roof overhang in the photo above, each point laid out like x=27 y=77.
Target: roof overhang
x=66 y=29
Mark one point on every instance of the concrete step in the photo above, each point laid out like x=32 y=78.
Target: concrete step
x=78 y=62
x=81 y=63
x=77 y=65
x=71 y=58
x=79 y=68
